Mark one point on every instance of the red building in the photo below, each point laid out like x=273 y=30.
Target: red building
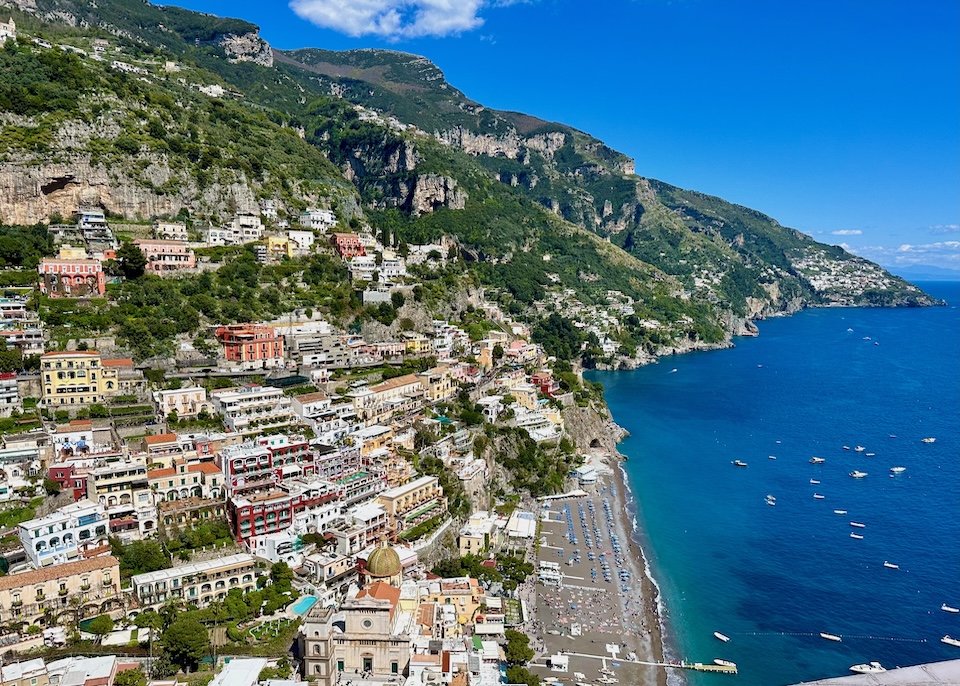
x=70 y=481
x=251 y=346
x=546 y=383
x=71 y=278
x=249 y=467
x=262 y=513
x=347 y=245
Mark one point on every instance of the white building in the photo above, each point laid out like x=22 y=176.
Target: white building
x=186 y=402
x=61 y=536
x=301 y=242
x=9 y=394
x=170 y=231
x=199 y=583
x=320 y=220
x=253 y=409
x=8 y=30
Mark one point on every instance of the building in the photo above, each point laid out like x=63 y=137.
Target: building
x=477 y=535
x=71 y=278
x=251 y=346
x=268 y=512
x=365 y=635
x=85 y=587
x=165 y=257
x=253 y=409
x=123 y=488
x=317 y=219
x=199 y=583
x=186 y=402
x=184 y=480
x=170 y=231
x=347 y=245
x=301 y=242
x=14 y=309
x=74 y=531
x=23 y=337
x=413 y=503
x=9 y=394
x=8 y=30
x=81 y=378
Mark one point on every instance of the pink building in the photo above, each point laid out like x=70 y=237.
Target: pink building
x=164 y=257
x=71 y=278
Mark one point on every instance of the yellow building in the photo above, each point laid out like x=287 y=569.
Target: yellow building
x=413 y=503
x=72 y=378
x=278 y=246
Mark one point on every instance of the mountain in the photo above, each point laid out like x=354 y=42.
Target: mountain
x=157 y=111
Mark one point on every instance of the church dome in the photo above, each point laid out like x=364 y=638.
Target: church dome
x=383 y=562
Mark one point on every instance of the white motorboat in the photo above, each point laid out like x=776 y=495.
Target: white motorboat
x=772 y=457
x=857 y=474
x=830 y=637
x=721 y=637
x=817 y=496
x=947 y=608
x=856 y=536
x=898 y=470
x=846 y=447
x=839 y=512
x=929 y=440
x=868 y=668
x=950 y=641
x=724 y=663
x=870 y=454
x=739 y=463
x=859 y=448
x=859 y=525
x=817 y=460
x=890 y=565
x=815 y=481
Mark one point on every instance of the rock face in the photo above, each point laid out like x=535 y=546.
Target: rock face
x=433 y=191
x=249 y=47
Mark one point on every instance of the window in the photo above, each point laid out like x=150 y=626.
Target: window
x=368 y=664
x=394 y=667
x=339 y=665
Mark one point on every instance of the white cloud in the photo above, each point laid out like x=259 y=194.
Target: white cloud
x=847 y=232
x=394 y=19
x=939 y=254
x=944 y=228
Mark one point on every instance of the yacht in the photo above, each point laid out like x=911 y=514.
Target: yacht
x=898 y=470
x=817 y=496
x=721 y=637
x=772 y=457
x=947 y=608
x=857 y=474
x=817 y=460
x=839 y=512
x=830 y=637
x=868 y=668
x=858 y=525
x=846 y=447
x=815 y=481
x=724 y=663
x=771 y=500
x=929 y=440
x=890 y=565
x=856 y=536
x=739 y=463
x=950 y=641
x=859 y=448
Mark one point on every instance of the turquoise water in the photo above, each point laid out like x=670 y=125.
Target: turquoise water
x=303 y=605
x=773 y=577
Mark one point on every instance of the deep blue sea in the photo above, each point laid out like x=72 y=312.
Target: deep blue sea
x=773 y=577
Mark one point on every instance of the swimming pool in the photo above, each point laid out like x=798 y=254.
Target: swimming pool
x=303 y=605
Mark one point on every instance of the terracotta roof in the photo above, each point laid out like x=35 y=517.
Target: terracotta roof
x=57 y=572
x=76 y=425
x=311 y=397
x=204 y=468
x=396 y=382
x=382 y=591
x=160 y=473
x=119 y=362
x=160 y=438
x=68 y=352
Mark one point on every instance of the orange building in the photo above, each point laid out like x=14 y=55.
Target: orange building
x=251 y=346
x=347 y=245
x=63 y=278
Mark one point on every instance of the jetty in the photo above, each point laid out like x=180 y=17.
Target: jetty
x=695 y=666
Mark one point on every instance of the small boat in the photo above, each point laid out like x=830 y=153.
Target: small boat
x=839 y=512
x=867 y=338
x=950 y=641
x=771 y=500
x=858 y=525
x=856 y=536
x=898 y=470
x=928 y=440
x=890 y=565
x=739 y=463
x=857 y=474
x=947 y=608
x=859 y=448
x=849 y=329
x=817 y=496
x=720 y=637
x=869 y=454
x=830 y=637
x=817 y=460
x=673 y=371
x=815 y=481
x=772 y=457
x=869 y=668
x=724 y=663
x=846 y=447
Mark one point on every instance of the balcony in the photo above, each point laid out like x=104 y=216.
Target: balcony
x=62 y=592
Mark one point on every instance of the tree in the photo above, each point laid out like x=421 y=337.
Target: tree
x=133 y=262
x=497 y=352
x=281 y=575
x=101 y=625
x=518 y=651
x=186 y=641
x=50 y=486
x=521 y=675
x=130 y=677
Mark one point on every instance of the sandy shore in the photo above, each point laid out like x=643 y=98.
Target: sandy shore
x=608 y=600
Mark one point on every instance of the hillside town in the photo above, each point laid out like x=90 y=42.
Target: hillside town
x=293 y=461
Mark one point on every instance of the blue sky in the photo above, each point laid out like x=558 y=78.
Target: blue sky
x=841 y=119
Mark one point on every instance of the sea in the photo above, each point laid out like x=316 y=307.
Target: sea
x=858 y=387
